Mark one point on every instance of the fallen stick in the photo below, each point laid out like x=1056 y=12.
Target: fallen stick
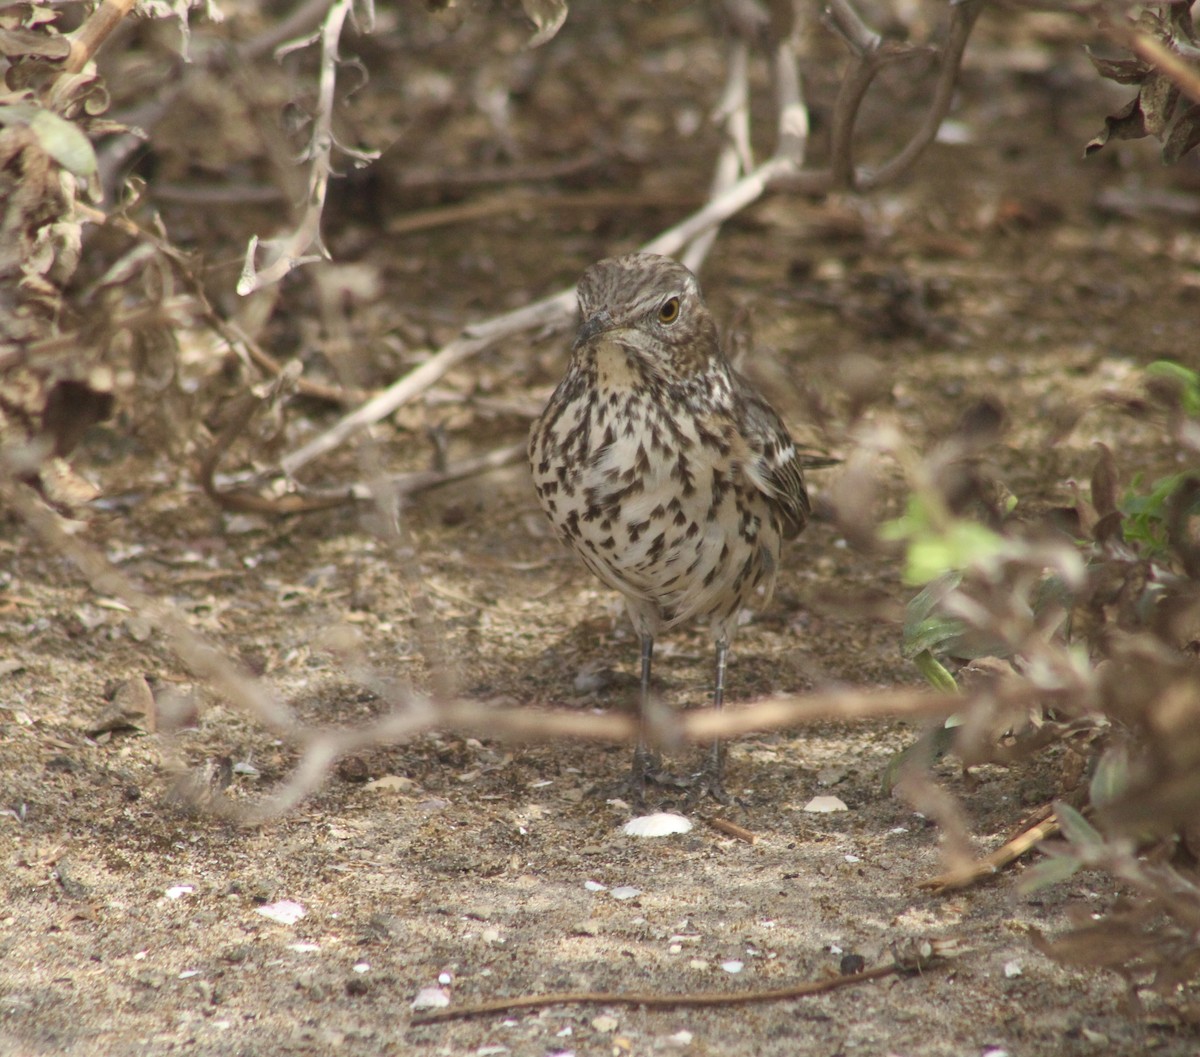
x=913 y=956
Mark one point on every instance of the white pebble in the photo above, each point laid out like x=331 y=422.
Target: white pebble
x=285 y=912
x=431 y=998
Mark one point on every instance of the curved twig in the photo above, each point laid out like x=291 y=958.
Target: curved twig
x=87 y=40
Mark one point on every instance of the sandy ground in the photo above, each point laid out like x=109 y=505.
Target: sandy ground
x=132 y=925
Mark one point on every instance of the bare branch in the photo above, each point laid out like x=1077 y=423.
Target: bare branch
x=961 y=23
x=552 y=313
x=792 y=143
x=304 y=245
x=736 y=157
x=846 y=22
x=86 y=40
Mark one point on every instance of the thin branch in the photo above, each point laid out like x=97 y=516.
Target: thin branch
x=846 y=22
x=304 y=245
x=873 y=53
x=407 y=484
x=552 y=313
x=990 y=865
x=908 y=956
x=87 y=40
x=792 y=131
x=205 y=661
x=301 y=20
x=736 y=156
x=966 y=12
x=656 y=999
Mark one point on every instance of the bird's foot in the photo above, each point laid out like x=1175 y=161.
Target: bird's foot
x=647 y=770
x=710 y=781
x=707 y=782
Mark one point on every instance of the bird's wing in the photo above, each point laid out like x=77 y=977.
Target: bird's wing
x=774 y=465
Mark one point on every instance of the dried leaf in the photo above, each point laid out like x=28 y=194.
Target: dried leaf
x=17 y=41
x=1123 y=71
x=1126 y=123
x=547 y=17
x=1157 y=101
x=1183 y=137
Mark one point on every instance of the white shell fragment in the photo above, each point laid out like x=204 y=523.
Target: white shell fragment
x=595 y=886
x=285 y=912
x=660 y=824
x=431 y=998
x=825 y=805
x=391 y=783
x=733 y=966
x=179 y=891
x=625 y=892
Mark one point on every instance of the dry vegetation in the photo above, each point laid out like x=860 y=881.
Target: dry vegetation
x=273 y=322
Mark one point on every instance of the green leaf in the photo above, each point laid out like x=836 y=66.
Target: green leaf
x=65 y=143
x=960 y=546
x=1077 y=829
x=1111 y=777
x=1187 y=379
x=935 y=673
x=1048 y=872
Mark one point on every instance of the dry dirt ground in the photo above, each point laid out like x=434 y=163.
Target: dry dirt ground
x=998 y=269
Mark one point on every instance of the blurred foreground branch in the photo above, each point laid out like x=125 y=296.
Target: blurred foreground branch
x=414 y=713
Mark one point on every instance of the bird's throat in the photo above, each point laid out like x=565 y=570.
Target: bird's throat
x=617 y=367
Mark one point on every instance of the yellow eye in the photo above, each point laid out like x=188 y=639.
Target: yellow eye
x=668 y=312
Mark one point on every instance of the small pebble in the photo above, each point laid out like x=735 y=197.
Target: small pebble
x=431 y=998
x=285 y=912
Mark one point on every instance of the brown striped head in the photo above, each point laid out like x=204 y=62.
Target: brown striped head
x=652 y=307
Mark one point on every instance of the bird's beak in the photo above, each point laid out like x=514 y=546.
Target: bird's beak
x=595 y=324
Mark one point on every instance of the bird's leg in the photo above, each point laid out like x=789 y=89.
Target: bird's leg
x=710 y=780
x=642 y=764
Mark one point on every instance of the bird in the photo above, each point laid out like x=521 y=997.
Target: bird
x=664 y=469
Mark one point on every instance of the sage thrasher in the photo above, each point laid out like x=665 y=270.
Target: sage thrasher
x=669 y=475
